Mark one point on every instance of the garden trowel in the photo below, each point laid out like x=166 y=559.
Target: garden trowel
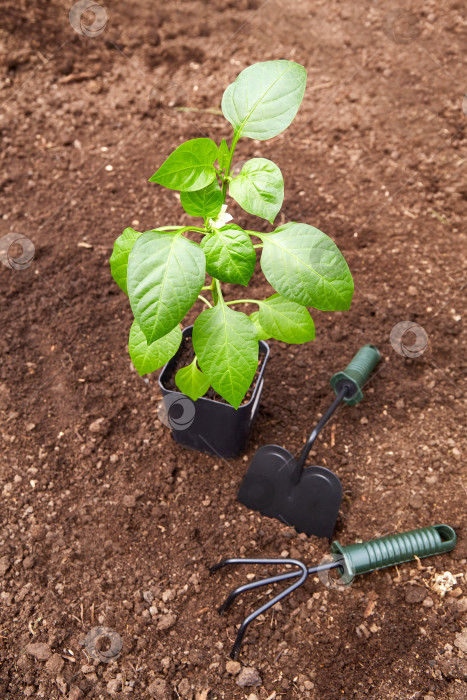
x=279 y=486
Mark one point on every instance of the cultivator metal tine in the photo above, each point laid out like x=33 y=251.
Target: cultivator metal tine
x=300 y=575
x=253 y=585
x=265 y=581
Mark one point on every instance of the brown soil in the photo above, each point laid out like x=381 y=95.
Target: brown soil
x=105 y=520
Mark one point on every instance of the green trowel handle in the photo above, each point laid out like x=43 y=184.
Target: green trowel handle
x=368 y=556
x=357 y=373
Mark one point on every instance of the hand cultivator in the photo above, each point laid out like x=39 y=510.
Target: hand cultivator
x=349 y=561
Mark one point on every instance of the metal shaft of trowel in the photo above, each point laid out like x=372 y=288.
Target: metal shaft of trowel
x=296 y=474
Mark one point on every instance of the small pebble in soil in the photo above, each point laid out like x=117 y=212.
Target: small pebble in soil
x=415 y=594
x=129 y=501
x=416 y=501
x=61 y=684
x=158 y=689
x=75 y=694
x=148 y=596
x=114 y=685
x=167 y=595
x=4 y=566
x=55 y=664
x=457 y=592
x=461 y=640
x=166 y=621
x=233 y=667
x=203 y=694
x=98 y=426
x=40 y=651
x=28 y=562
x=184 y=687
x=362 y=631
x=248 y=677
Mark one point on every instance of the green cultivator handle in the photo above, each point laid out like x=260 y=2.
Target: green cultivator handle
x=364 y=557
x=357 y=373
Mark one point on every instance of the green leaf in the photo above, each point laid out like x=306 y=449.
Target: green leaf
x=206 y=202
x=254 y=318
x=147 y=358
x=230 y=256
x=264 y=98
x=165 y=276
x=190 y=167
x=286 y=320
x=226 y=345
x=223 y=155
x=119 y=258
x=259 y=188
x=191 y=381
x=304 y=265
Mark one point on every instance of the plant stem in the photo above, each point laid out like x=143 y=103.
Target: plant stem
x=220 y=298
x=191 y=228
x=243 y=301
x=216 y=287
x=214 y=291
x=256 y=233
x=259 y=245
x=205 y=301
x=229 y=165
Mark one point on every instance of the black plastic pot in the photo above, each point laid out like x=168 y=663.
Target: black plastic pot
x=206 y=425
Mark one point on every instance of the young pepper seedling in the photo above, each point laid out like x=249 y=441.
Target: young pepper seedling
x=164 y=272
